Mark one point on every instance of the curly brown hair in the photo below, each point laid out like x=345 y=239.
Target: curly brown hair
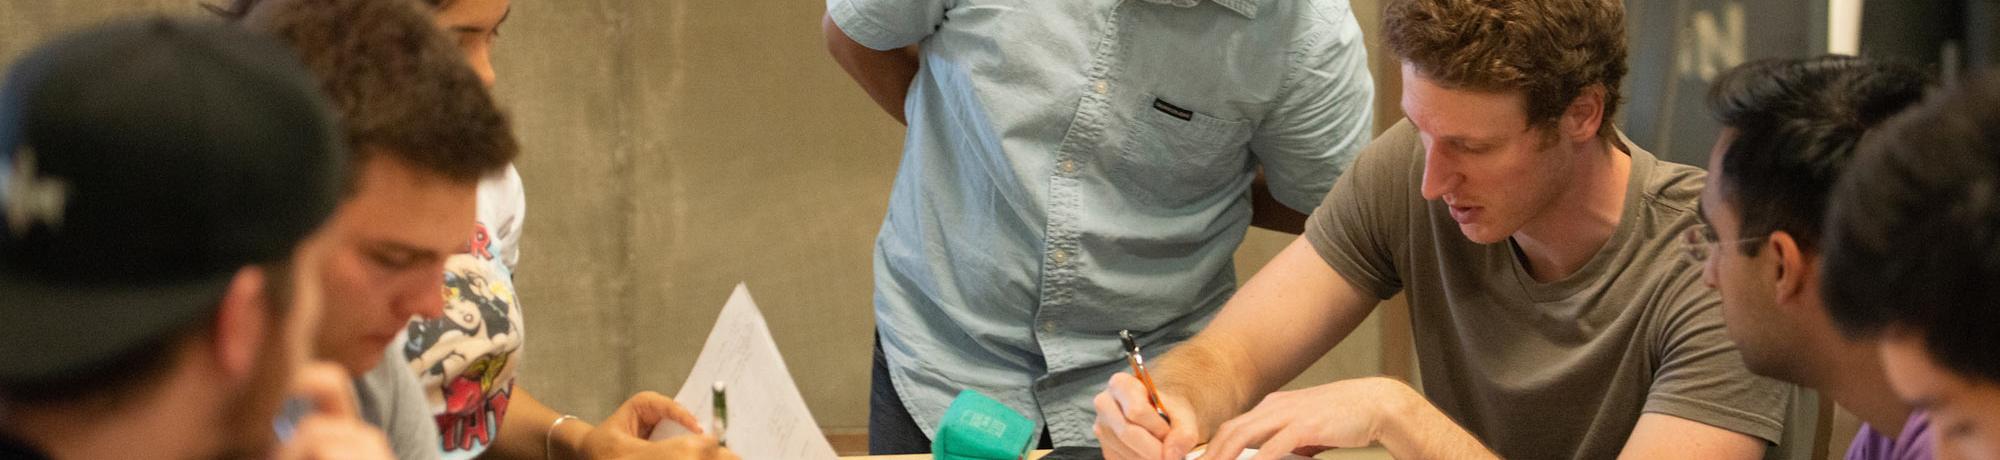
x=402 y=89
x=233 y=10
x=1550 y=50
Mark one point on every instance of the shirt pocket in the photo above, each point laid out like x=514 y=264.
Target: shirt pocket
x=1174 y=157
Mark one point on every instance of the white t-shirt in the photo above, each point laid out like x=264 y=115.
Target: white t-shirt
x=466 y=359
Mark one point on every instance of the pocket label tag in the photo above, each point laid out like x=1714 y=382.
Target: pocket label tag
x=1173 y=110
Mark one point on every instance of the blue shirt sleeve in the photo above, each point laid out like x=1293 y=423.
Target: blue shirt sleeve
x=887 y=24
x=1324 y=114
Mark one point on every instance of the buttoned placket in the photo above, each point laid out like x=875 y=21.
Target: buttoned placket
x=1086 y=135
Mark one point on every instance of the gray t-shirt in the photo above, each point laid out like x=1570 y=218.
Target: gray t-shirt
x=391 y=399
x=1547 y=370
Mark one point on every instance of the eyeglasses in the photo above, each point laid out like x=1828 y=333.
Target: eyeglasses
x=1698 y=241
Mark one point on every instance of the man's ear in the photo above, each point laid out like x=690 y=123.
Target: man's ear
x=1585 y=113
x=242 y=322
x=1794 y=271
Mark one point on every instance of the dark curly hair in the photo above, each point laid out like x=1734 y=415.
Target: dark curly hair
x=1550 y=50
x=402 y=89
x=236 y=9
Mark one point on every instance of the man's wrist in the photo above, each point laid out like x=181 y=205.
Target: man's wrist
x=1398 y=409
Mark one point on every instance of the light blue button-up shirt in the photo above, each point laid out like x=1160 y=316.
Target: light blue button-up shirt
x=1077 y=167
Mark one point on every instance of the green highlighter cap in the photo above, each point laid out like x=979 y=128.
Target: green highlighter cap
x=978 y=428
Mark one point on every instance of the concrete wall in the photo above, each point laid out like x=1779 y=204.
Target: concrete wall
x=673 y=149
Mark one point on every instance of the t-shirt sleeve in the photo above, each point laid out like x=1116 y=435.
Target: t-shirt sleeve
x=887 y=24
x=1362 y=221
x=1701 y=376
x=503 y=208
x=1325 y=113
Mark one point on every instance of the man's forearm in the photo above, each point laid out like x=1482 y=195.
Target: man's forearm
x=1208 y=375
x=1287 y=316
x=884 y=75
x=1411 y=427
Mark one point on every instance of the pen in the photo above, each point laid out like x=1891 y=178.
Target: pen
x=1139 y=370
x=721 y=421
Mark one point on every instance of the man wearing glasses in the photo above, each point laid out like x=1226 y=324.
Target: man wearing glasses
x=1789 y=129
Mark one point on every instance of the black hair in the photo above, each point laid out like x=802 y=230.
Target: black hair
x=1914 y=234
x=1797 y=122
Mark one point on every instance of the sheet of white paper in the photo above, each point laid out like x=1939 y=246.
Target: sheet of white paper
x=767 y=417
x=1247 y=453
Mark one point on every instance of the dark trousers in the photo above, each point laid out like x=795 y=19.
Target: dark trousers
x=891 y=429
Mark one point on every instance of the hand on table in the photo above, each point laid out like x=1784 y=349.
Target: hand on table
x=1347 y=413
x=1129 y=429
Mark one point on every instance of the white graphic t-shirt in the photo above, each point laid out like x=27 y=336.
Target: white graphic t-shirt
x=466 y=359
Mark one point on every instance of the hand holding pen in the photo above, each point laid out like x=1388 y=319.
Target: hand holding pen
x=1138 y=363
x=1135 y=420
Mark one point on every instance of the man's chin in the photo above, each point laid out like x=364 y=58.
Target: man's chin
x=1481 y=234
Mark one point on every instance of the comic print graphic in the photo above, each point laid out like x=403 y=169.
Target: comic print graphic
x=464 y=358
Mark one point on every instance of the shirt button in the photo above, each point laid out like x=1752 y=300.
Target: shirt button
x=1048 y=327
x=1103 y=87
x=1069 y=166
x=1059 y=257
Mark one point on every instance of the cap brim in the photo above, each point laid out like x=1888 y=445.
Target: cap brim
x=48 y=331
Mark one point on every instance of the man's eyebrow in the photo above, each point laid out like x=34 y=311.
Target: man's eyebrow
x=1462 y=139
x=402 y=249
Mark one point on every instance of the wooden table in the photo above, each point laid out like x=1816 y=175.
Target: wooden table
x=1370 y=453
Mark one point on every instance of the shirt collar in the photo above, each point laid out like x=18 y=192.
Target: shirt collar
x=1247 y=8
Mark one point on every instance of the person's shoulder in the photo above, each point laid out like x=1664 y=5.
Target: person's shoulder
x=1389 y=168
x=1400 y=143
x=1670 y=198
x=1394 y=158
x=1312 y=12
x=1308 y=26
x=504 y=182
x=1673 y=186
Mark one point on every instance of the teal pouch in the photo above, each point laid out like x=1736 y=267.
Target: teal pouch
x=978 y=428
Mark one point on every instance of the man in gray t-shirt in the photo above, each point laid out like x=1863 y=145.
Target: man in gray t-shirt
x=391 y=398
x=1553 y=314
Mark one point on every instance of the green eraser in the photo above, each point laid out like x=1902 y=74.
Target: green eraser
x=978 y=428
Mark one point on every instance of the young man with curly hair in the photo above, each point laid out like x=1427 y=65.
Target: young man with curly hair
x=1553 y=314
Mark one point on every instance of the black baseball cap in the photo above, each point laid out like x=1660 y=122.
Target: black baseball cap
x=142 y=163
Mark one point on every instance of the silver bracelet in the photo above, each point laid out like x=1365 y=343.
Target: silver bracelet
x=549 y=439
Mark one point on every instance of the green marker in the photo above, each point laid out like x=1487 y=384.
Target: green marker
x=721 y=421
